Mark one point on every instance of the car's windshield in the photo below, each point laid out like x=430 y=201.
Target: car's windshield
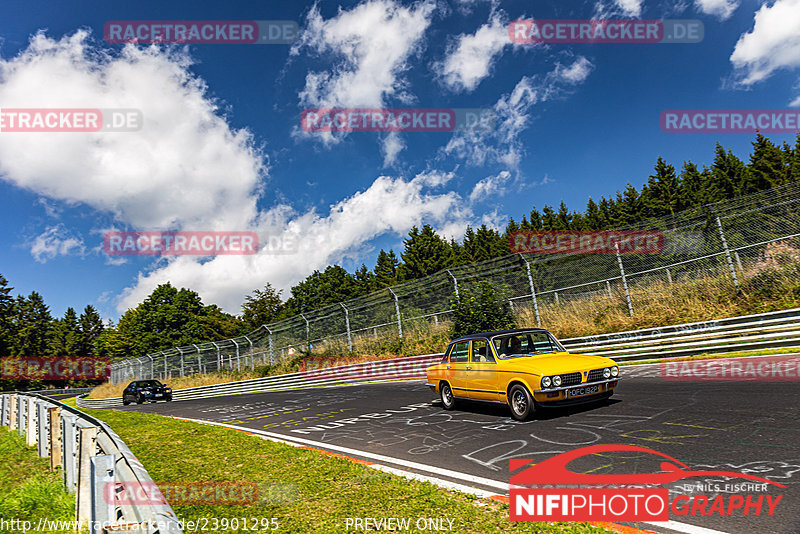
x=149 y=384
x=525 y=343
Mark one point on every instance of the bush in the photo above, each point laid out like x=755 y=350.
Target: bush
x=482 y=307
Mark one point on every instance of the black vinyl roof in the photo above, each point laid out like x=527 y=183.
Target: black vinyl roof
x=498 y=333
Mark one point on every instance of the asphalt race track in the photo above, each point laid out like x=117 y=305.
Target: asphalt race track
x=751 y=427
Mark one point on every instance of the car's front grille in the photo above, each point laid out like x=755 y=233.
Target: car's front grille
x=595 y=375
x=570 y=379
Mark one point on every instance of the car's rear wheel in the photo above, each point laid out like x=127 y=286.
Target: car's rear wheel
x=448 y=400
x=125 y=402
x=520 y=402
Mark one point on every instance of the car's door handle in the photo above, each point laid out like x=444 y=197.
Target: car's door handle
x=448 y=367
x=468 y=368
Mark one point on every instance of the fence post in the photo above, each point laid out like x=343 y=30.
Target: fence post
x=165 y=364
x=624 y=280
x=455 y=282
x=181 y=353
x=55 y=437
x=308 y=337
x=347 y=323
x=199 y=359
x=608 y=286
x=727 y=253
x=669 y=277
x=252 y=359
x=238 y=360
x=397 y=311
x=533 y=292
x=219 y=358
x=738 y=260
x=555 y=293
x=271 y=349
x=152 y=367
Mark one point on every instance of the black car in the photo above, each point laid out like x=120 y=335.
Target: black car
x=140 y=391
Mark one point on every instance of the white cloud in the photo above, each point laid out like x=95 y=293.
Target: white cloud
x=469 y=59
x=512 y=117
x=392 y=145
x=722 y=9
x=626 y=8
x=772 y=44
x=55 y=241
x=490 y=186
x=389 y=205
x=632 y=8
x=370 y=46
x=184 y=168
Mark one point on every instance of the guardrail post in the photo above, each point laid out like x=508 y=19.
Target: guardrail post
x=347 y=323
x=624 y=280
x=727 y=253
x=4 y=400
x=55 y=437
x=22 y=410
x=68 y=450
x=397 y=311
x=30 y=428
x=43 y=427
x=533 y=291
x=12 y=412
x=102 y=508
x=87 y=446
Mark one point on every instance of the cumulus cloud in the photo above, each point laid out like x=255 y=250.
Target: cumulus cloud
x=392 y=145
x=772 y=44
x=512 y=117
x=470 y=57
x=55 y=241
x=186 y=169
x=389 y=205
x=722 y=9
x=490 y=186
x=627 y=8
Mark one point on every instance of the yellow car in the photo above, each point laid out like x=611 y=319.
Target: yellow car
x=525 y=368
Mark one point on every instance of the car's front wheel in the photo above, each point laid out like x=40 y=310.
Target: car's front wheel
x=125 y=402
x=139 y=399
x=520 y=402
x=448 y=400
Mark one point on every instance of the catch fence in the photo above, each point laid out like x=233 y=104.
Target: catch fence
x=748 y=240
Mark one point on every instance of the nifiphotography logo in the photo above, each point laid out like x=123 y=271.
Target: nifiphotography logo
x=548 y=491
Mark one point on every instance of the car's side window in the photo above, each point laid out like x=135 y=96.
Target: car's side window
x=460 y=352
x=481 y=352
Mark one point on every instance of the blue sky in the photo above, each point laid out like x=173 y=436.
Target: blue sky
x=221 y=147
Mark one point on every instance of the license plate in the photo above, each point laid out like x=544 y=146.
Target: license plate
x=159 y=395
x=583 y=391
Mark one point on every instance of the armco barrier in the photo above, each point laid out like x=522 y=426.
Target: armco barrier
x=376 y=371
x=91 y=456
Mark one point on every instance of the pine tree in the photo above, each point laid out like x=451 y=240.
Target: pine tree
x=592 y=220
x=535 y=220
x=33 y=324
x=729 y=173
x=766 y=168
x=6 y=317
x=386 y=269
x=794 y=162
x=365 y=281
x=424 y=253
x=563 y=218
x=261 y=307
x=549 y=220
x=662 y=195
x=91 y=327
x=65 y=338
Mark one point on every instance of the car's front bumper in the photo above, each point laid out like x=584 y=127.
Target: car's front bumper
x=558 y=396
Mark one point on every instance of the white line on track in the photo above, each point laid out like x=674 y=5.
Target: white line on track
x=684 y=527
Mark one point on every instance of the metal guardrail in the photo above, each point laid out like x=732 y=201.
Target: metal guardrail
x=63 y=391
x=367 y=372
x=748 y=332
x=95 y=463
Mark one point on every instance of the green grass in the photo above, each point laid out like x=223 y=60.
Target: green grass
x=306 y=491
x=29 y=491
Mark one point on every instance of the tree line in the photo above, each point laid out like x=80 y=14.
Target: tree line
x=171 y=317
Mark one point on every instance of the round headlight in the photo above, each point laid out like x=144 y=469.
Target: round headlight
x=606 y=373
x=546 y=382
x=557 y=381
x=615 y=371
